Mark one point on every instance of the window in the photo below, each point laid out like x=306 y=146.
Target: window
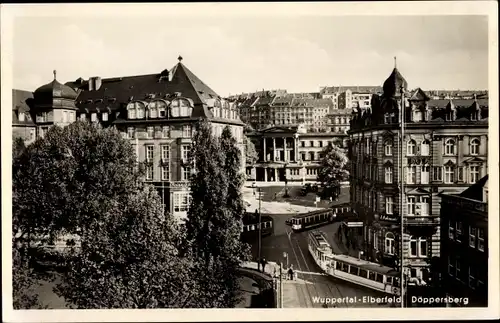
x=140 y=112
x=165 y=153
x=93 y=117
x=186 y=131
x=303 y=156
x=186 y=173
x=64 y=119
x=460 y=174
x=72 y=116
x=388 y=174
x=480 y=239
x=149 y=173
x=451 y=229
x=375 y=240
x=449 y=147
x=424 y=205
x=389 y=243
x=410 y=148
x=43 y=117
x=411 y=205
x=131 y=132
x=474 y=174
x=458 y=268
x=389 y=204
x=451 y=266
x=182 y=201
x=21 y=116
x=472 y=277
x=411 y=174
x=32 y=134
x=131 y=113
x=82 y=116
x=474 y=147
x=153 y=112
x=437 y=174
x=388 y=148
x=449 y=175
x=165 y=173
x=104 y=116
x=185 y=150
x=418 y=247
x=311 y=143
x=424 y=174
x=458 y=231
x=472 y=237
x=475 y=115
x=425 y=148
x=165 y=132
x=149 y=153
x=302 y=143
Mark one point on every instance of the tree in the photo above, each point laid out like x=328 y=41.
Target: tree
x=251 y=153
x=129 y=258
x=332 y=170
x=213 y=229
x=24 y=282
x=61 y=180
x=83 y=179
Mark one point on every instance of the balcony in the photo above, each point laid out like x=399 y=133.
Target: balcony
x=421 y=220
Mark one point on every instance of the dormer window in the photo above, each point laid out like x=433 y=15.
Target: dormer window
x=82 y=116
x=417 y=116
x=21 y=116
x=104 y=116
x=140 y=112
x=93 y=117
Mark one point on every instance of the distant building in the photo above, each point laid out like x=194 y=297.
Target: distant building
x=156 y=112
x=464 y=244
x=445 y=149
x=289 y=152
x=278 y=108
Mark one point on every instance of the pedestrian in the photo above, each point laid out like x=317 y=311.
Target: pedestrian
x=263 y=262
x=290 y=272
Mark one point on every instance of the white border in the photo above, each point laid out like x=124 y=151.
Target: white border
x=9 y=12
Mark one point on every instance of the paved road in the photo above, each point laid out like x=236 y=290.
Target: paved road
x=316 y=284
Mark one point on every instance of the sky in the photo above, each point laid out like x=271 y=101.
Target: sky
x=235 y=54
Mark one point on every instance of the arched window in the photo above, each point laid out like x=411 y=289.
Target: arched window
x=388 y=148
x=390 y=243
x=131 y=111
x=425 y=148
x=449 y=147
x=474 y=146
x=410 y=148
x=153 y=110
x=140 y=111
x=175 y=109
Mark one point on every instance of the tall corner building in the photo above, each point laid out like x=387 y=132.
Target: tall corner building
x=442 y=149
x=156 y=112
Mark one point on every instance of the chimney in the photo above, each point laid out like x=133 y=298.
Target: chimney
x=97 y=82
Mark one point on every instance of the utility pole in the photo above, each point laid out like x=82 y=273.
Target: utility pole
x=281 y=285
x=402 y=192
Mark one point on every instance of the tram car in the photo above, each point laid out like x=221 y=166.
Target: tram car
x=317 y=218
x=356 y=271
x=250 y=228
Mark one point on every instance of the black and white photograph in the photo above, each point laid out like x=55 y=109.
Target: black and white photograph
x=280 y=160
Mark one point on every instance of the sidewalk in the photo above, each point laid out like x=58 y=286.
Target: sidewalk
x=252 y=204
x=295 y=294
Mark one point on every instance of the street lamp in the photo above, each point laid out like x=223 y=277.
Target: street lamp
x=254 y=186
x=286 y=182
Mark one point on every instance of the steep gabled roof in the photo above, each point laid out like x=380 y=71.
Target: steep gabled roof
x=419 y=95
x=21 y=102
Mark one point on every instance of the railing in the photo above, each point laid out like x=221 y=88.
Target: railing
x=420 y=220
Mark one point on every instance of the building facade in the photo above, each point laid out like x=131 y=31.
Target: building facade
x=156 y=112
x=464 y=244
x=264 y=109
x=289 y=152
x=443 y=149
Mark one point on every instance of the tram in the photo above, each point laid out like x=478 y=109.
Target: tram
x=360 y=272
x=250 y=228
x=317 y=218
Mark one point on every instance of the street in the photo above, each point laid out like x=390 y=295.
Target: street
x=314 y=282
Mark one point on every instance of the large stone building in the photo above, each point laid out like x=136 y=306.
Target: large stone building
x=464 y=244
x=289 y=152
x=444 y=150
x=348 y=97
x=263 y=109
x=156 y=112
